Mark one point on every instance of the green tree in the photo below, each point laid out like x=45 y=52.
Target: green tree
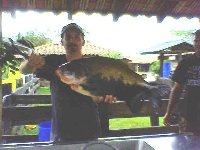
x=155 y=66
x=183 y=33
x=37 y=39
x=7 y=58
x=113 y=54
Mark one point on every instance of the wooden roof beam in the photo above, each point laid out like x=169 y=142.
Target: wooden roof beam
x=70 y=8
x=165 y=8
x=116 y=17
x=70 y=15
x=160 y=18
x=118 y=8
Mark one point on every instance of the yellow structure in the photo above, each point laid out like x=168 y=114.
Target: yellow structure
x=12 y=78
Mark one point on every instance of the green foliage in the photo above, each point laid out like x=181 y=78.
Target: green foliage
x=183 y=33
x=135 y=122
x=113 y=54
x=22 y=130
x=30 y=132
x=9 y=67
x=124 y=123
x=7 y=60
x=155 y=67
x=37 y=39
x=5 y=71
x=43 y=90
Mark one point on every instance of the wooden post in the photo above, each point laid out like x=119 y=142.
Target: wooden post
x=179 y=57
x=161 y=58
x=1 y=95
x=154 y=120
x=6 y=89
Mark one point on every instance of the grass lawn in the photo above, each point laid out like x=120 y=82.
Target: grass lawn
x=136 y=122
x=123 y=123
x=43 y=90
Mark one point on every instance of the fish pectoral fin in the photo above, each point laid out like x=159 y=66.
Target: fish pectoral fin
x=88 y=87
x=73 y=86
x=82 y=79
x=78 y=88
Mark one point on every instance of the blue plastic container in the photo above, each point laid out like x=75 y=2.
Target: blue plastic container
x=44 y=131
x=167 y=68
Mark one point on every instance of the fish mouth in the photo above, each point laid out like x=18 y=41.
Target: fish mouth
x=74 y=83
x=69 y=78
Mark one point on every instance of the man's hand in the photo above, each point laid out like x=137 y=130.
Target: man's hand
x=34 y=62
x=167 y=120
x=107 y=99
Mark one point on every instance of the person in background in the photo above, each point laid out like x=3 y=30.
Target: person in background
x=187 y=77
x=75 y=117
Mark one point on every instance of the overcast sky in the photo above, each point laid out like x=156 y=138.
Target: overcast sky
x=128 y=35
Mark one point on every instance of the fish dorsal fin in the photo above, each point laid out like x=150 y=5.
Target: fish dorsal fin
x=127 y=62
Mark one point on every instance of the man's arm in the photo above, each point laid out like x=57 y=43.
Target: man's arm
x=32 y=64
x=173 y=98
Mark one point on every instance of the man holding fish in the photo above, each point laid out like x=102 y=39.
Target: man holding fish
x=75 y=116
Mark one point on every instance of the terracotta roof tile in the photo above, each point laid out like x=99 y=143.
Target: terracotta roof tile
x=89 y=49
x=59 y=49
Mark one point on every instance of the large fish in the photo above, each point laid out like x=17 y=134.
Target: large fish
x=100 y=76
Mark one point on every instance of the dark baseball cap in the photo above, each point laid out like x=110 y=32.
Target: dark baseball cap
x=72 y=26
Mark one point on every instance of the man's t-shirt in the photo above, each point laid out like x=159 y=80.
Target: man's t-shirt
x=75 y=116
x=188 y=73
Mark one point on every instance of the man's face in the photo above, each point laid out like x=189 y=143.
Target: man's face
x=72 y=41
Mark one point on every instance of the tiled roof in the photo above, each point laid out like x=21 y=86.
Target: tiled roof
x=59 y=49
x=171 y=47
x=89 y=49
x=50 y=49
x=144 y=59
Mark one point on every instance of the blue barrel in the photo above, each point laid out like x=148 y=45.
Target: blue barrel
x=167 y=68
x=44 y=131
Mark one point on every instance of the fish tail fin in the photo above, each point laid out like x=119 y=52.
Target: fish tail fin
x=135 y=104
x=157 y=93
x=154 y=94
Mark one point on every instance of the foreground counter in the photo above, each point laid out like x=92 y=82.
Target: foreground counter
x=149 y=142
